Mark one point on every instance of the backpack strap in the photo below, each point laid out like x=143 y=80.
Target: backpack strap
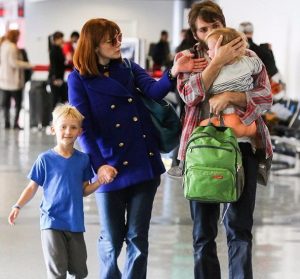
x=221 y=119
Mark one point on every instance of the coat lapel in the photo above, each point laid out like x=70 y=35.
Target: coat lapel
x=115 y=85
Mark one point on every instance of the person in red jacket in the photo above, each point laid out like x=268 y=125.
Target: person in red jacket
x=69 y=48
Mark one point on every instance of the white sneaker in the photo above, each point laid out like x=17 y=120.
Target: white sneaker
x=175 y=172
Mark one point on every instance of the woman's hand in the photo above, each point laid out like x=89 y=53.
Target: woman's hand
x=187 y=64
x=226 y=53
x=106 y=174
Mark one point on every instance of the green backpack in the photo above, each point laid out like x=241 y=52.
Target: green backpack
x=213 y=170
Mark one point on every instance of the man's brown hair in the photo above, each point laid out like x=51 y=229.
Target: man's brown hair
x=209 y=11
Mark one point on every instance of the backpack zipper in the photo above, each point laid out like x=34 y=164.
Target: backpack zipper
x=210 y=146
x=209 y=135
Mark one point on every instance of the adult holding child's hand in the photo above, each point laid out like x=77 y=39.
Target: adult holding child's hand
x=119 y=137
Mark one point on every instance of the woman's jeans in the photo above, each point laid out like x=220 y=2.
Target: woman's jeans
x=125 y=216
x=238 y=223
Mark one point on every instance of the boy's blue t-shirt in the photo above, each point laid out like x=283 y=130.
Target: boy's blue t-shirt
x=62 y=181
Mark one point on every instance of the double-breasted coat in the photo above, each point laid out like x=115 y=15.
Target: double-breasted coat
x=117 y=129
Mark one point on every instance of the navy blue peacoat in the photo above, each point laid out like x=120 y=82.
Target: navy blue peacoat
x=117 y=129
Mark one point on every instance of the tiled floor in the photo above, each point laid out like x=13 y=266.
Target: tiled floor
x=276 y=249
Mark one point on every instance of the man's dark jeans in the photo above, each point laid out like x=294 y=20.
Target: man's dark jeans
x=238 y=223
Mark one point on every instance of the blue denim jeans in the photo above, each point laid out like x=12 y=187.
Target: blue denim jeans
x=238 y=223
x=125 y=216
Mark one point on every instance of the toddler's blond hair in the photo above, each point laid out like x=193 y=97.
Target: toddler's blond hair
x=66 y=110
x=229 y=34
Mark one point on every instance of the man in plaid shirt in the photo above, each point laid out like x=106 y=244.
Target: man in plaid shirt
x=203 y=17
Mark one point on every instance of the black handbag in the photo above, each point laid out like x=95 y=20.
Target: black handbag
x=165 y=119
x=166 y=122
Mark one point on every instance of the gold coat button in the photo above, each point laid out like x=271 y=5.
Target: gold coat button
x=151 y=154
x=135 y=119
x=130 y=100
x=118 y=125
x=125 y=163
x=113 y=106
x=121 y=144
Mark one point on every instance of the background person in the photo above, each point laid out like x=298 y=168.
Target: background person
x=188 y=40
x=69 y=48
x=161 y=52
x=12 y=81
x=57 y=70
x=203 y=17
x=119 y=137
x=265 y=53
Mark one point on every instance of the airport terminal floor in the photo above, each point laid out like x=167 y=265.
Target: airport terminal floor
x=276 y=232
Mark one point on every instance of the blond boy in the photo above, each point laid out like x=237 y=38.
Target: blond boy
x=63 y=172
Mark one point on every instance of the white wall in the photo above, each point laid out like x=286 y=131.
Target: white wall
x=141 y=18
x=276 y=22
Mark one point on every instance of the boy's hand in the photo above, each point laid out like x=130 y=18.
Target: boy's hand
x=101 y=180
x=13 y=216
x=106 y=174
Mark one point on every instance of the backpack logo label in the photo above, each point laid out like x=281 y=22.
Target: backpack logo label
x=217 y=176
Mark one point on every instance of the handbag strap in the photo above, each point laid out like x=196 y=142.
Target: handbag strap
x=128 y=65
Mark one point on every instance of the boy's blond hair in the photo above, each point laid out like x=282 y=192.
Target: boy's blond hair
x=228 y=34
x=66 y=110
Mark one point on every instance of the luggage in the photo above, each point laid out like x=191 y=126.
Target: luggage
x=40 y=104
x=213 y=170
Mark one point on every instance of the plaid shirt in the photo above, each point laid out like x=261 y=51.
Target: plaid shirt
x=191 y=89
